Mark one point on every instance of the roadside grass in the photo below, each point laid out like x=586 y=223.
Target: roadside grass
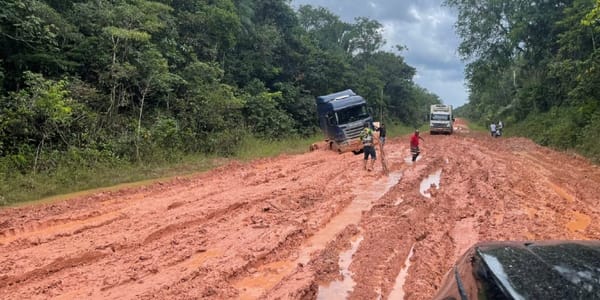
x=43 y=187
x=473 y=126
x=396 y=129
x=68 y=182
x=252 y=147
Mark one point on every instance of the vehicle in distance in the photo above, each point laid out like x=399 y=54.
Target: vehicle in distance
x=441 y=119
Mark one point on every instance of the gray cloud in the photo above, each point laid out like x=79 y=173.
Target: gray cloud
x=425 y=27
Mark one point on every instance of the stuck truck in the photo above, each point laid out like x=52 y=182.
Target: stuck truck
x=441 y=119
x=342 y=116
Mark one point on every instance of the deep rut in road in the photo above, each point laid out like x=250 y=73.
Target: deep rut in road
x=310 y=226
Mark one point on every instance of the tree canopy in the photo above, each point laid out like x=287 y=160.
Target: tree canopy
x=534 y=64
x=137 y=80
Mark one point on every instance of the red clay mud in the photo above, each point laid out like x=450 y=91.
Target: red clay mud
x=275 y=228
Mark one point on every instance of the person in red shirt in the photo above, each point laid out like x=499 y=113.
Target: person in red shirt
x=414 y=145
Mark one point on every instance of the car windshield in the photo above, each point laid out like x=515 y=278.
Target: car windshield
x=440 y=117
x=352 y=114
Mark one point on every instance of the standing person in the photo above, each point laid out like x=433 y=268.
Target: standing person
x=366 y=136
x=382 y=133
x=414 y=145
x=499 y=128
x=493 y=129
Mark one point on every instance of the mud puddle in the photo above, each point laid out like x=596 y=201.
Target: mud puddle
x=267 y=277
x=580 y=222
x=363 y=200
x=253 y=286
x=561 y=192
x=340 y=289
x=426 y=184
x=398 y=290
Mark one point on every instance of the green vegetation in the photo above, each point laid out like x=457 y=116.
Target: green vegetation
x=95 y=92
x=252 y=147
x=536 y=67
x=397 y=129
x=70 y=177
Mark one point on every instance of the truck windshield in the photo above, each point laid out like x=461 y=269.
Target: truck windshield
x=352 y=114
x=440 y=117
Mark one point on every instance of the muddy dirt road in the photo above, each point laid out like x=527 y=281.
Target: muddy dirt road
x=312 y=226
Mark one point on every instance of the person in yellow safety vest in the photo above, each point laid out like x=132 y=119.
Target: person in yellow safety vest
x=367 y=137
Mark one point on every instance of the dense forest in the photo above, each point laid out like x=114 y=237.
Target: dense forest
x=535 y=65
x=88 y=82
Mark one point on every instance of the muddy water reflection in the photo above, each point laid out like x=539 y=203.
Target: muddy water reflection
x=341 y=288
x=266 y=277
x=350 y=215
x=433 y=179
x=398 y=290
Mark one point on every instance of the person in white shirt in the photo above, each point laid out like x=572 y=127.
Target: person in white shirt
x=493 y=129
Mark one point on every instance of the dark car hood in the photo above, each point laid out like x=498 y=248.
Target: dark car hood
x=542 y=270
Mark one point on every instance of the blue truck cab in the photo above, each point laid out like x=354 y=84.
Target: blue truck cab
x=341 y=117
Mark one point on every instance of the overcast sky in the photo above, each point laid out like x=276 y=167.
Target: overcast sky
x=425 y=28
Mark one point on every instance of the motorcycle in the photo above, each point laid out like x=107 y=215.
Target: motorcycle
x=498 y=132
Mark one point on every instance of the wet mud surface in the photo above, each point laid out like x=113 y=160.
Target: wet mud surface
x=311 y=226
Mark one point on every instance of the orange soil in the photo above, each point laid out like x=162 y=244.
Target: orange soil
x=275 y=228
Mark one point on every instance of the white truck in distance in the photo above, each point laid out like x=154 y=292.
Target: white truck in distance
x=441 y=119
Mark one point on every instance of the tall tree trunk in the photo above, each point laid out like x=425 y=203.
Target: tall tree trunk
x=113 y=88
x=139 y=127
x=38 y=152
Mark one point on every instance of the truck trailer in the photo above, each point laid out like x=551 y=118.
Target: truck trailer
x=441 y=119
x=342 y=116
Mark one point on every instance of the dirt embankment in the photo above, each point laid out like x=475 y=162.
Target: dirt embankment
x=312 y=226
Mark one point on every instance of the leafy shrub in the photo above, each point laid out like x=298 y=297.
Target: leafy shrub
x=590 y=138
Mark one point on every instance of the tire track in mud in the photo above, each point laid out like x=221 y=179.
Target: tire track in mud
x=284 y=240
x=392 y=231
x=440 y=234
x=253 y=286
x=62 y=231
x=323 y=212
x=166 y=231
x=114 y=247
x=54 y=267
x=169 y=229
x=44 y=232
x=510 y=195
x=199 y=237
